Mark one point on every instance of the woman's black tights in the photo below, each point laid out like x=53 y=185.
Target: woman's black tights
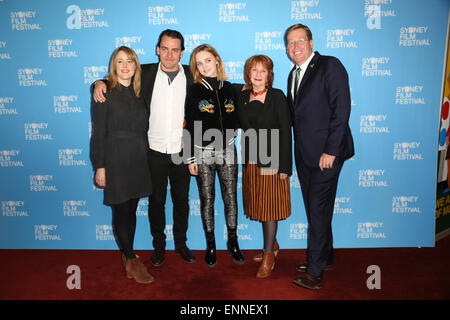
x=270 y=234
x=124 y=220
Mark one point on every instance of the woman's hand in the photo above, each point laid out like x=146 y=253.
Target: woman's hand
x=100 y=177
x=193 y=169
x=283 y=176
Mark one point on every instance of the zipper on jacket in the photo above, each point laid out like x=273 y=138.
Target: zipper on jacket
x=220 y=114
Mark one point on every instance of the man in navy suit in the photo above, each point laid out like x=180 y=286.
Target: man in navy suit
x=319 y=98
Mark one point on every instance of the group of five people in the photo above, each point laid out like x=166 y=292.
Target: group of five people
x=160 y=123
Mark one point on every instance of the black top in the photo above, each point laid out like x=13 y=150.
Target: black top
x=266 y=138
x=119 y=143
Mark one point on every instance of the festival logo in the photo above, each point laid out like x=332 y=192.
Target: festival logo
x=24 y=21
x=75 y=208
x=375 y=67
x=85 y=18
x=45 y=232
x=42 y=183
x=407 y=151
x=305 y=10
x=373 y=124
x=413 y=37
x=61 y=48
x=341 y=38
x=162 y=15
x=372 y=178
x=405 y=204
x=66 y=104
x=35 y=131
x=370 y=230
x=233 y=12
x=14 y=209
x=30 y=77
x=10 y=158
x=409 y=95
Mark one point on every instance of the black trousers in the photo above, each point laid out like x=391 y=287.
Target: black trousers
x=163 y=170
x=319 y=193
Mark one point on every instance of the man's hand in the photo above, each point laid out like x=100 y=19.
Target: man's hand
x=193 y=169
x=283 y=176
x=326 y=161
x=99 y=91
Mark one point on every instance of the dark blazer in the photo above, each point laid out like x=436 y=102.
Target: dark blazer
x=321 y=111
x=148 y=77
x=273 y=115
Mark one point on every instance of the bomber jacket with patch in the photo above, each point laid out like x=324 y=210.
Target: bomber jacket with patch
x=211 y=104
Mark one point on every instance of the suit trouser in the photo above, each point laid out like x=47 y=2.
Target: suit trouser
x=319 y=193
x=162 y=170
x=224 y=162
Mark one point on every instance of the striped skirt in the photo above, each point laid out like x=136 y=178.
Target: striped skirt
x=266 y=197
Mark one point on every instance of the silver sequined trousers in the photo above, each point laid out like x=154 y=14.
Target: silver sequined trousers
x=224 y=162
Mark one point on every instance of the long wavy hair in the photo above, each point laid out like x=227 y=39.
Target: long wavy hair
x=221 y=75
x=112 y=77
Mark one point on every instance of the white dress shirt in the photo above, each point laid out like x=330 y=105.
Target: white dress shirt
x=167 y=112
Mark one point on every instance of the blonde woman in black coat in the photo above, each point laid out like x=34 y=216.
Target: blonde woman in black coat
x=119 y=153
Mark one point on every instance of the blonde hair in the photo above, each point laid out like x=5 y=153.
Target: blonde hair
x=221 y=75
x=113 y=80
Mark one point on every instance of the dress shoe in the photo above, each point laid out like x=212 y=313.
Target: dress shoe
x=267 y=265
x=308 y=281
x=234 y=251
x=186 y=254
x=210 y=254
x=302 y=266
x=136 y=270
x=158 y=257
x=276 y=248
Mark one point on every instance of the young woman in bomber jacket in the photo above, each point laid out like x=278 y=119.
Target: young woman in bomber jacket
x=212 y=123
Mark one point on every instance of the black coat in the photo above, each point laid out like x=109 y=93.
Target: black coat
x=273 y=114
x=119 y=144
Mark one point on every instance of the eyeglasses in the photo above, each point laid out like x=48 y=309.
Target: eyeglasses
x=299 y=42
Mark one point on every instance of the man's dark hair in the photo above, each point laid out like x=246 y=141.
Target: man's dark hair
x=172 y=34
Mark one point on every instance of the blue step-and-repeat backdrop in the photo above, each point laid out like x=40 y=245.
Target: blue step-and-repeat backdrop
x=52 y=51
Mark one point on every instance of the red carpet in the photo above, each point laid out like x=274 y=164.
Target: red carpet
x=406 y=273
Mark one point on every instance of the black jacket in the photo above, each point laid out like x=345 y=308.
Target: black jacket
x=273 y=114
x=209 y=108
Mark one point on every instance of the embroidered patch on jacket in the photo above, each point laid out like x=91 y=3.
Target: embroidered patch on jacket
x=229 y=106
x=206 y=106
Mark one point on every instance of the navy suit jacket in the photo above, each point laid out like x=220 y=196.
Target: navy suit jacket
x=321 y=111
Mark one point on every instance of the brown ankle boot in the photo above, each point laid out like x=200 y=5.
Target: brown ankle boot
x=124 y=258
x=267 y=265
x=136 y=270
x=276 y=248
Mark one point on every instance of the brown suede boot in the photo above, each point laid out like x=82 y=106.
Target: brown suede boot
x=276 y=248
x=267 y=265
x=136 y=270
x=124 y=258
